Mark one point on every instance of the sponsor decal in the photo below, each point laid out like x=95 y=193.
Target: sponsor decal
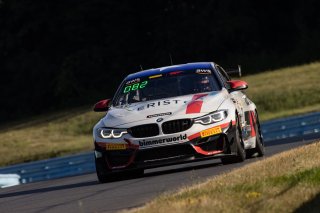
x=203 y=71
x=112 y=146
x=162 y=141
x=137 y=80
x=160 y=114
x=211 y=131
x=158 y=103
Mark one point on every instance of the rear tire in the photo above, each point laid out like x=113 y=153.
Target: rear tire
x=259 y=149
x=238 y=148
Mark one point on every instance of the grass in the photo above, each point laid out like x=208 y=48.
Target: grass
x=48 y=137
x=277 y=93
x=286 y=92
x=283 y=183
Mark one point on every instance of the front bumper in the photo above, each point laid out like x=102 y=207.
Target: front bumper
x=196 y=149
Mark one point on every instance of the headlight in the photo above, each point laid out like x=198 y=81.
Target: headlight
x=111 y=133
x=212 y=117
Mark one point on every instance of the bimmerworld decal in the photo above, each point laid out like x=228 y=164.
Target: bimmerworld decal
x=163 y=140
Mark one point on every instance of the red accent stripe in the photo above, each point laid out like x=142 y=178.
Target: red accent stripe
x=175 y=73
x=222 y=126
x=195 y=105
x=197 y=96
x=225 y=125
x=101 y=144
x=129 y=145
x=191 y=137
x=253 y=131
x=121 y=166
x=203 y=152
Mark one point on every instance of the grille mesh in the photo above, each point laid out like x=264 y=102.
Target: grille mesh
x=174 y=126
x=143 y=131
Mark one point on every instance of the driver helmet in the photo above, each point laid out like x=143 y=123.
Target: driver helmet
x=203 y=84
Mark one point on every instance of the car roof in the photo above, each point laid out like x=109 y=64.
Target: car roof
x=162 y=70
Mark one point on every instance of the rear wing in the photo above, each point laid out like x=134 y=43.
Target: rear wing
x=234 y=71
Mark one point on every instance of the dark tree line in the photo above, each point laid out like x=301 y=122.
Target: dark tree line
x=65 y=53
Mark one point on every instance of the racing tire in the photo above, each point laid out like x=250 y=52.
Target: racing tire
x=103 y=173
x=237 y=147
x=259 y=149
x=137 y=173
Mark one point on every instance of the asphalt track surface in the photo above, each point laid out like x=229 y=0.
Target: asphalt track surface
x=84 y=194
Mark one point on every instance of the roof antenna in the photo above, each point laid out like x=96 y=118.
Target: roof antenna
x=141 y=67
x=170 y=58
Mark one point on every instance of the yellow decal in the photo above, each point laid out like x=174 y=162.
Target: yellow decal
x=112 y=146
x=211 y=131
x=155 y=76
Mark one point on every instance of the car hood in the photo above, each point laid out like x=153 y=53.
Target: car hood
x=188 y=106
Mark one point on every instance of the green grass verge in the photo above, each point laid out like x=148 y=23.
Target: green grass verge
x=277 y=93
x=286 y=92
x=47 y=137
x=286 y=182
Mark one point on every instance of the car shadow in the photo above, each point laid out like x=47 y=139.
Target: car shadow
x=153 y=173
x=95 y=182
x=187 y=168
x=48 y=189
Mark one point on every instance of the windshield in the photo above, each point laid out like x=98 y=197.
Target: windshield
x=166 y=85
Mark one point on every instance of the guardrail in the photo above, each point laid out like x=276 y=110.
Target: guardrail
x=291 y=127
x=84 y=163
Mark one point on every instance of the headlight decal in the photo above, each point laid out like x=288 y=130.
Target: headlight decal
x=212 y=117
x=106 y=133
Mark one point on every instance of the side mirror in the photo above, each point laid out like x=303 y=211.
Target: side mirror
x=238 y=85
x=102 y=106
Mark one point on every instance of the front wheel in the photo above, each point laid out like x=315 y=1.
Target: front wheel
x=237 y=147
x=103 y=173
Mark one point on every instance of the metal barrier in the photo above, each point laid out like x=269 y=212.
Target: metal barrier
x=52 y=168
x=84 y=163
x=291 y=127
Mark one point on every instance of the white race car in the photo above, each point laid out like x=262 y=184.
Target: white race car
x=172 y=115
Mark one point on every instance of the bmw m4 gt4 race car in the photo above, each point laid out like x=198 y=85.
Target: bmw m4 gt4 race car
x=174 y=115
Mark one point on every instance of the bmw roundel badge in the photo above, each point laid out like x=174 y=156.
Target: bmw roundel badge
x=159 y=119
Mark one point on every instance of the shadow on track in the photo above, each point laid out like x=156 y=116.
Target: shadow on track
x=188 y=168
x=49 y=189
x=151 y=174
x=95 y=182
